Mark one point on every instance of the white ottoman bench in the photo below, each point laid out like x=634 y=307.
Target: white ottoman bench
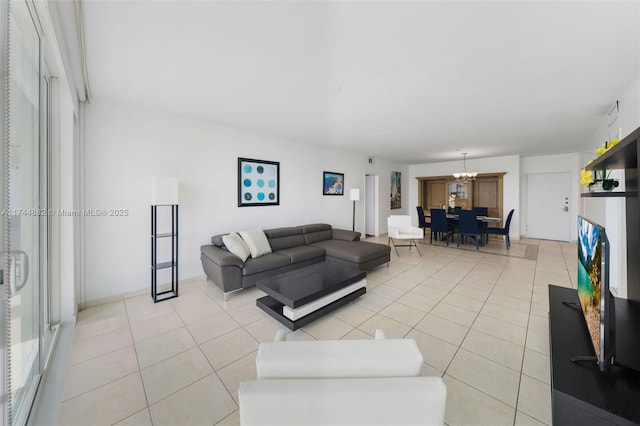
x=343 y=382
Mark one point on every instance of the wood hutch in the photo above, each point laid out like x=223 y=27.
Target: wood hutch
x=484 y=191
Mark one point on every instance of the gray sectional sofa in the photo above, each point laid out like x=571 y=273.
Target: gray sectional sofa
x=292 y=248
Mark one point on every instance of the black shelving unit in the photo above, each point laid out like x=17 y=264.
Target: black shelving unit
x=159 y=296
x=625 y=156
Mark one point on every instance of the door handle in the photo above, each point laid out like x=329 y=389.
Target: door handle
x=18 y=273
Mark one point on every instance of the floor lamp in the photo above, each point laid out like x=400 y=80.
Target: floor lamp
x=165 y=196
x=354 y=196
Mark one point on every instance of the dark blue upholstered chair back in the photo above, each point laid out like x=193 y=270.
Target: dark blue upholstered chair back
x=422 y=221
x=440 y=225
x=439 y=221
x=481 y=211
x=503 y=231
x=468 y=226
x=467 y=222
x=506 y=227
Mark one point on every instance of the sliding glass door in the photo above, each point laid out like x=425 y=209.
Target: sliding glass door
x=24 y=210
x=28 y=317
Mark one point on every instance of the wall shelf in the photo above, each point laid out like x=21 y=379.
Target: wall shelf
x=622 y=156
x=609 y=194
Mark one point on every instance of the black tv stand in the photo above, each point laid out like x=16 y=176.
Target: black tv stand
x=581 y=394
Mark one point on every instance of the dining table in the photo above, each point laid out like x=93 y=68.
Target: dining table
x=486 y=219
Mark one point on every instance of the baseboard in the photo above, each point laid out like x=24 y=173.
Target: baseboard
x=134 y=293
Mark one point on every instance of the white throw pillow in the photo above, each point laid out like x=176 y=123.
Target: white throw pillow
x=236 y=245
x=256 y=241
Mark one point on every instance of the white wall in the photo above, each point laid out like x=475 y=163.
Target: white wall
x=125 y=147
x=511 y=184
x=629 y=115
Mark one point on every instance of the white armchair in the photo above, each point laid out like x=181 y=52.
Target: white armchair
x=400 y=228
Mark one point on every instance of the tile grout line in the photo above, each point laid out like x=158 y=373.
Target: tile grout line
x=135 y=351
x=525 y=345
x=471 y=325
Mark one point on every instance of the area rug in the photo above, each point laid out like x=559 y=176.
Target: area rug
x=494 y=246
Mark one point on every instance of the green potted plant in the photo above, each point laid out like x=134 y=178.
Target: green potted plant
x=600 y=180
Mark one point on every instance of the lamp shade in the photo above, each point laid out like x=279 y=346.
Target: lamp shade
x=354 y=194
x=165 y=191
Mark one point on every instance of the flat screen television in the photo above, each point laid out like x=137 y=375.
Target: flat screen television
x=596 y=301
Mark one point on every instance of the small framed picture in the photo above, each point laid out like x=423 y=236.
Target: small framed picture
x=332 y=183
x=258 y=183
x=396 y=190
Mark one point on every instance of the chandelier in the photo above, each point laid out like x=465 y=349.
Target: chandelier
x=465 y=176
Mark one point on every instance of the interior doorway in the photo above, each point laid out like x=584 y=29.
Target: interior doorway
x=371 y=201
x=548 y=215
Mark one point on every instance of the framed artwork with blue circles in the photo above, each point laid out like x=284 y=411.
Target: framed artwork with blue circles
x=258 y=183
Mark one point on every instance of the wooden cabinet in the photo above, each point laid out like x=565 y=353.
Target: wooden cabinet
x=485 y=191
x=435 y=194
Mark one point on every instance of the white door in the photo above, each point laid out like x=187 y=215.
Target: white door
x=548 y=215
x=371 y=204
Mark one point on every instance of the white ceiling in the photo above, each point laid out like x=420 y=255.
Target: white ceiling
x=414 y=82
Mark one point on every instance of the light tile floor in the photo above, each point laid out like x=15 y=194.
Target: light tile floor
x=480 y=321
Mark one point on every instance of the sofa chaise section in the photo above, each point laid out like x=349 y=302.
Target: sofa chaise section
x=339 y=244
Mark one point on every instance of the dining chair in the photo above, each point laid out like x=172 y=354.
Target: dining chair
x=440 y=225
x=482 y=226
x=400 y=228
x=468 y=226
x=422 y=220
x=503 y=231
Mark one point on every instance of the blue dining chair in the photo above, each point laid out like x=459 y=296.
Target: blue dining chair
x=422 y=221
x=503 y=231
x=468 y=226
x=481 y=211
x=440 y=225
x=482 y=226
